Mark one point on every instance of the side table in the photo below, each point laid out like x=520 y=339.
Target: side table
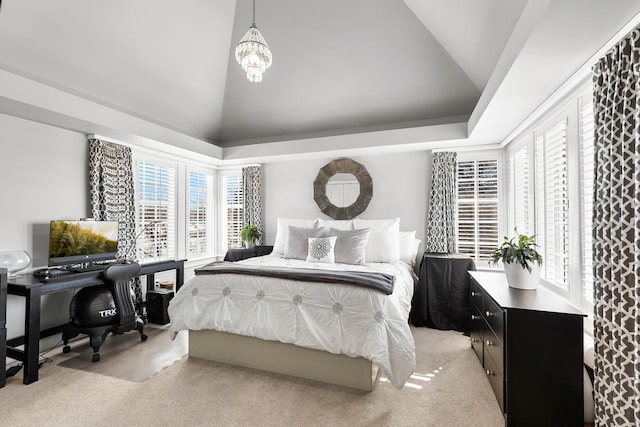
x=441 y=298
x=244 y=253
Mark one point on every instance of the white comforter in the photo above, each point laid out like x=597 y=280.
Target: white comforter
x=344 y=319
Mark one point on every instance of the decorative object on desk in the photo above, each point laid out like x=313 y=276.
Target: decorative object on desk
x=15 y=261
x=520 y=259
x=250 y=235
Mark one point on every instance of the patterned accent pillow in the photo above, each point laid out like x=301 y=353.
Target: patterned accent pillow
x=322 y=249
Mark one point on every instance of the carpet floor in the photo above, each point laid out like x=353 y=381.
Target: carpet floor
x=449 y=388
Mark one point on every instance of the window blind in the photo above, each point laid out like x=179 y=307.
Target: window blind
x=552 y=202
x=519 y=190
x=198 y=185
x=586 y=138
x=234 y=207
x=156 y=210
x=477 y=208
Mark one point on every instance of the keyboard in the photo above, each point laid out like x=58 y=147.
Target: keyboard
x=48 y=273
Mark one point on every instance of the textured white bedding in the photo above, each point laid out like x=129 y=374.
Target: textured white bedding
x=336 y=318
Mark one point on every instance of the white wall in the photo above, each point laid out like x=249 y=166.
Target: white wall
x=43 y=176
x=400 y=189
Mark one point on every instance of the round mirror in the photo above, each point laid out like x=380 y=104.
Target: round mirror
x=343 y=189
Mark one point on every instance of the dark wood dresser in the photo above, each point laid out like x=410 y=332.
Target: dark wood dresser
x=530 y=343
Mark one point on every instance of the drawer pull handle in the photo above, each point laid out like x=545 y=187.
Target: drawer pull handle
x=475 y=294
x=489 y=373
x=474 y=317
x=489 y=314
x=489 y=343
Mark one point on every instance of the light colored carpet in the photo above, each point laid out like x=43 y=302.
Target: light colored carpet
x=126 y=357
x=449 y=389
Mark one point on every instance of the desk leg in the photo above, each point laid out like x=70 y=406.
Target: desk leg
x=151 y=281
x=179 y=277
x=32 y=335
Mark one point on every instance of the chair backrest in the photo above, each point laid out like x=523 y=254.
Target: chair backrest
x=121 y=272
x=119 y=276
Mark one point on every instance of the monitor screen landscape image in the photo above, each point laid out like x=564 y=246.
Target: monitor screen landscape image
x=83 y=239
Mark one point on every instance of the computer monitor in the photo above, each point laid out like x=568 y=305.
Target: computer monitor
x=83 y=241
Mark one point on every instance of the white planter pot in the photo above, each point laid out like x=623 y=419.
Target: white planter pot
x=520 y=278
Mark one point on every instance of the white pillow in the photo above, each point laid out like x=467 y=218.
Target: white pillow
x=384 y=241
x=408 y=245
x=283 y=230
x=322 y=249
x=339 y=224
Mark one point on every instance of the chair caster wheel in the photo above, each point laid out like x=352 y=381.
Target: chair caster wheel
x=66 y=349
x=95 y=358
x=143 y=337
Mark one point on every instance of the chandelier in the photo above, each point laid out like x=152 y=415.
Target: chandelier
x=253 y=52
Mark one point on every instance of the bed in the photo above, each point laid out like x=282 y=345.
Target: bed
x=328 y=331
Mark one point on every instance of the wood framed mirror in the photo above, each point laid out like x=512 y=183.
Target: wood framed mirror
x=343 y=189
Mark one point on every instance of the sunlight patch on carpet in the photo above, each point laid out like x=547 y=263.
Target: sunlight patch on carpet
x=126 y=357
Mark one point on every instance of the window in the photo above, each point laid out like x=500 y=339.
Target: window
x=478 y=208
x=585 y=135
x=156 y=210
x=552 y=203
x=199 y=212
x=519 y=191
x=233 y=212
x=560 y=147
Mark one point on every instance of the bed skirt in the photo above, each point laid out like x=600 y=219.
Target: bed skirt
x=281 y=358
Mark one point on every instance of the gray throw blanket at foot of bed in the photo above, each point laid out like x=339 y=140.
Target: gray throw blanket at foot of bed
x=379 y=281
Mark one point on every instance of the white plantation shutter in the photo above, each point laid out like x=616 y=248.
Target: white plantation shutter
x=233 y=209
x=552 y=203
x=477 y=208
x=198 y=212
x=586 y=138
x=156 y=210
x=519 y=191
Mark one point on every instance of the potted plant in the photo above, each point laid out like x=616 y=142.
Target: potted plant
x=250 y=235
x=520 y=259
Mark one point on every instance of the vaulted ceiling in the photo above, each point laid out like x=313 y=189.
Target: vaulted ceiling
x=345 y=74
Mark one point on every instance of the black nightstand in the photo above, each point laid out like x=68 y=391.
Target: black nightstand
x=244 y=253
x=441 y=298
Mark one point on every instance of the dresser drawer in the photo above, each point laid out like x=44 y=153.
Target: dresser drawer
x=495 y=379
x=476 y=297
x=493 y=346
x=495 y=317
x=478 y=325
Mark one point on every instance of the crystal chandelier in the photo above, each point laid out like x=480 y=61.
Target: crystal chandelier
x=253 y=52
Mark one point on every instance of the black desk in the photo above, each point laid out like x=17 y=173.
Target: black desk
x=441 y=298
x=32 y=289
x=3 y=326
x=244 y=253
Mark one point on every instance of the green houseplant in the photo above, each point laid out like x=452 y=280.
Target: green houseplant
x=250 y=235
x=520 y=259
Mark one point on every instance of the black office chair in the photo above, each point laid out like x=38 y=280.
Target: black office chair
x=103 y=309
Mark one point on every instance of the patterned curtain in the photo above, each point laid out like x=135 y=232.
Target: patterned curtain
x=252 y=194
x=111 y=189
x=441 y=218
x=616 y=234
